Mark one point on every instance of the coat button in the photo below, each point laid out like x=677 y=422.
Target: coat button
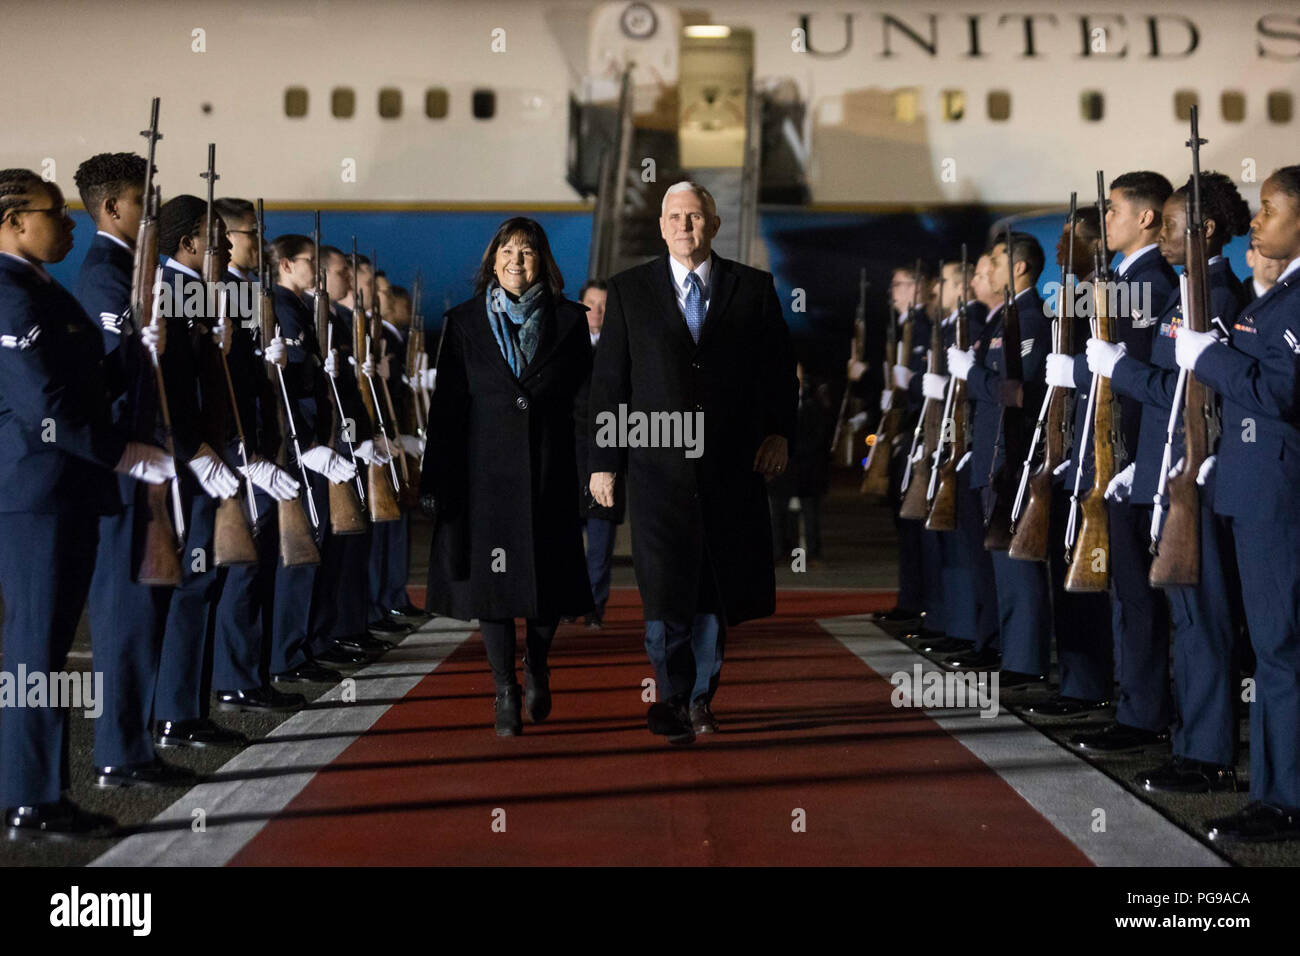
x=521 y=403
x=695 y=365
x=699 y=407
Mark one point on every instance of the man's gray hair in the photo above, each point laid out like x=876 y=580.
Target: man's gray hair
x=706 y=197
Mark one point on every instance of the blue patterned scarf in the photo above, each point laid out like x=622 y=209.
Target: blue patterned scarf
x=517 y=326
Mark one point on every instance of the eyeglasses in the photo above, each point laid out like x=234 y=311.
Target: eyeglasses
x=61 y=210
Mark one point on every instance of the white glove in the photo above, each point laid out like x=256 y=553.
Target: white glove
x=1121 y=484
x=276 y=482
x=886 y=399
x=1060 y=370
x=1104 y=356
x=323 y=461
x=1189 y=345
x=934 y=386
x=372 y=453
x=332 y=363
x=959 y=362
x=216 y=480
x=145 y=463
x=221 y=335
x=154 y=338
x=276 y=353
x=1060 y=469
x=368 y=367
x=1177 y=468
x=1207 y=466
x=902 y=376
x=964 y=459
x=411 y=445
x=428 y=378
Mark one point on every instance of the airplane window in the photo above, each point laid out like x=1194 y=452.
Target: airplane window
x=295 y=101
x=1184 y=100
x=343 y=102
x=1092 y=105
x=954 y=104
x=1279 y=106
x=1233 y=105
x=485 y=104
x=390 y=102
x=904 y=106
x=435 y=103
x=999 y=105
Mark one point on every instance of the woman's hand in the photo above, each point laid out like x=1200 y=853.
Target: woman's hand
x=602 y=488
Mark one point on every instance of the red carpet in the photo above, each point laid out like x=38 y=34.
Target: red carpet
x=805 y=725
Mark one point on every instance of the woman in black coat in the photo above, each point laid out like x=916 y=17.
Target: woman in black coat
x=500 y=468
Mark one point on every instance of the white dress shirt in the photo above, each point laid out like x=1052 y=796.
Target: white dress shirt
x=112 y=238
x=1132 y=257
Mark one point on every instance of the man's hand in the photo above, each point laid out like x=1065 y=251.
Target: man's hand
x=772 y=456
x=960 y=362
x=275 y=481
x=602 y=488
x=221 y=334
x=154 y=338
x=146 y=463
x=1060 y=370
x=857 y=369
x=275 y=352
x=213 y=476
x=331 y=364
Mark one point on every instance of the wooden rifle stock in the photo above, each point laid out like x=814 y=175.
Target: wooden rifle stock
x=382 y=496
x=943 y=509
x=408 y=495
x=1011 y=423
x=916 y=503
x=875 y=480
x=844 y=445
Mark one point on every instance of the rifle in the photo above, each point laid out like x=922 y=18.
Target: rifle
x=917 y=487
x=1011 y=424
x=875 y=480
x=415 y=358
x=1032 y=518
x=1177 y=548
x=346 y=514
x=383 y=501
x=953 y=438
x=159 y=560
x=232 y=541
x=1086 y=573
x=407 y=493
x=297 y=544
x=857 y=349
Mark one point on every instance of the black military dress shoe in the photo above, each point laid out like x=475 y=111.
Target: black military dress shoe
x=509 y=722
x=1184 y=775
x=257 y=700
x=1008 y=680
x=1255 y=823
x=308 y=672
x=1061 y=706
x=156 y=774
x=411 y=611
x=973 y=660
x=62 y=821
x=537 y=694
x=364 y=644
x=338 y=654
x=944 y=645
x=594 y=621
x=702 y=719
x=197 y=733
x=670 y=719
x=390 y=626
x=1118 y=738
x=896 y=615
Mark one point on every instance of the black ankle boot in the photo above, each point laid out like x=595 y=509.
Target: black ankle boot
x=537 y=693
x=509 y=723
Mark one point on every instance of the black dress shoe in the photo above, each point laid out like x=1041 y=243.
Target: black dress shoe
x=337 y=654
x=896 y=615
x=1255 y=823
x=594 y=621
x=364 y=644
x=537 y=693
x=156 y=774
x=973 y=660
x=509 y=723
x=1011 y=679
x=410 y=610
x=670 y=719
x=257 y=700
x=702 y=719
x=308 y=672
x=197 y=733
x=388 y=627
x=58 y=822
x=1061 y=706
x=1118 y=738
x=1184 y=775
x=923 y=634
x=945 y=645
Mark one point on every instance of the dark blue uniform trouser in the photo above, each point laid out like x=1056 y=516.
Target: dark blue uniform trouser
x=291 y=612
x=244 y=607
x=46 y=561
x=179 y=693
x=912 y=586
x=340 y=605
x=389 y=565
x=1268 y=558
x=1084 y=643
x=1141 y=620
x=976 y=620
x=601 y=534
x=127 y=622
x=1206 y=623
x=1025 y=613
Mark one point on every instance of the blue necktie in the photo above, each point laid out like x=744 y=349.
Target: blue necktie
x=694 y=305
